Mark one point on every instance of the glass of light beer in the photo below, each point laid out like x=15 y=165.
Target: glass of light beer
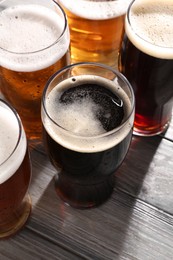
x=87 y=115
x=34 y=44
x=96 y=28
x=146 y=59
x=15 y=172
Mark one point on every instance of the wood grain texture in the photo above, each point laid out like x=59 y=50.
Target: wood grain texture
x=147 y=171
x=123 y=228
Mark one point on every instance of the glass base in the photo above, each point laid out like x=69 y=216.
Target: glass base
x=84 y=195
x=150 y=131
x=17 y=220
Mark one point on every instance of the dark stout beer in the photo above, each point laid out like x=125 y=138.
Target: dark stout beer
x=90 y=137
x=146 y=59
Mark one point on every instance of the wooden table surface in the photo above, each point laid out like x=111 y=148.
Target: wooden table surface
x=136 y=223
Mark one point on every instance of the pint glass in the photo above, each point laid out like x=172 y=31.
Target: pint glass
x=95 y=29
x=34 y=44
x=15 y=173
x=146 y=59
x=87 y=115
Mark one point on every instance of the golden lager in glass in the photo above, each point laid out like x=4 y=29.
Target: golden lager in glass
x=34 y=44
x=95 y=29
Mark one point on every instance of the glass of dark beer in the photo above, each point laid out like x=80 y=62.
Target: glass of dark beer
x=146 y=59
x=96 y=28
x=15 y=172
x=34 y=44
x=87 y=115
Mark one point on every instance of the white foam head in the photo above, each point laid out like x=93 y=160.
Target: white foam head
x=84 y=131
x=32 y=37
x=97 y=9
x=149 y=26
x=12 y=148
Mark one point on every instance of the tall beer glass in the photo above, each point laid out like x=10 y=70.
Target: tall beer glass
x=34 y=42
x=96 y=28
x=146 y=59
x=87 y=114
x=15 y=173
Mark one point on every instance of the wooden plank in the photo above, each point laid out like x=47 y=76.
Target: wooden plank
x=29 y=245
x=123 y=228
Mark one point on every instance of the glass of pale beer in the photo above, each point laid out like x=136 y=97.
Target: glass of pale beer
x=87 y=115
x=15 y=172
x=146 y=59
x=34 y=43
x=96 y=28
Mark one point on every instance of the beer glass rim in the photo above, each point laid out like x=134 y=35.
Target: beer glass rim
x=19 y=127
x=140 y=36
x=116 y=72
x=103 y=14
x=49 y=46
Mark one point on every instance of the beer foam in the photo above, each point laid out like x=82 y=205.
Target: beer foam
x=152 y=24
x=31 y=37
x=97 y=9
x=85 y=130
x=78 y=117
x=9 y=134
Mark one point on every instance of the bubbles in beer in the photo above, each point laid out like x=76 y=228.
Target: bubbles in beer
x=26 y=33
x=96 y=105
x=86 y=109
x=152 y=24
x=27 y=30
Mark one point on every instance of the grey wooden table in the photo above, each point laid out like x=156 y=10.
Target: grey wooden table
x=136 y=223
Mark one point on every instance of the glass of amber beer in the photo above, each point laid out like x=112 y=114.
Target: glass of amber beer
x=146 y=59
x=96 y=28
x=15 y=172
x=87 y=115
x=34 y=44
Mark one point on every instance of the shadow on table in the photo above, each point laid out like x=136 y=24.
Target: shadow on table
x=130 y=178
x=131 y=174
